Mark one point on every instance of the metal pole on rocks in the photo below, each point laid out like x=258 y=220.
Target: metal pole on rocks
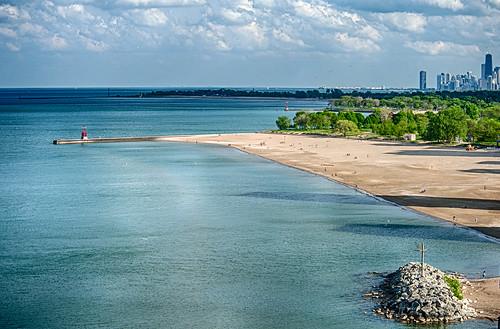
x=421 y=248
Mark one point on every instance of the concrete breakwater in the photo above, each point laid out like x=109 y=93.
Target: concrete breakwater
x=409 y=297
x=108 y=140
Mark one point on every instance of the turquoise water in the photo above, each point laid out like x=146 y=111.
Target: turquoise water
x=168 y=235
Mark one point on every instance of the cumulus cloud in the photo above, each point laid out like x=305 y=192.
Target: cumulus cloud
x=148 y=17
x=356 y=44
x=446 y=4
x=12 y=47
x=10 y=33
x=443 y=48
x=157 y=3
x=318 y=26
x=12 y=12
x=493 y=3
x=411 y=22
x=56 y=42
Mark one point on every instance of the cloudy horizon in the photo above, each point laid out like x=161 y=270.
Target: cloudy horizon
x=301 y=43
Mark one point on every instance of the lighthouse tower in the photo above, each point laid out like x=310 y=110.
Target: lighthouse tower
x=84 y=134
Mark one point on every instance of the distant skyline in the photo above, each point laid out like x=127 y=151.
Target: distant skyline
x=276 y=43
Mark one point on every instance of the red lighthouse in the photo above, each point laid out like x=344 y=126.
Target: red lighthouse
x=84 y=133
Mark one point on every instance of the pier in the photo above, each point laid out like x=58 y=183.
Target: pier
x=107 y=140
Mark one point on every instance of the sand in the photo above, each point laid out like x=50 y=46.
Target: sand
x=485 y=297
x=444 y=182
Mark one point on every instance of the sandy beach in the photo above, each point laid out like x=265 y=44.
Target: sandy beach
x=485 y=297
x=448 y=183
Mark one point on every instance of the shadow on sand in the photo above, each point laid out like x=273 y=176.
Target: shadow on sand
x=431 y=201
x=482 y=171
x=492 y=162
x=451 y=153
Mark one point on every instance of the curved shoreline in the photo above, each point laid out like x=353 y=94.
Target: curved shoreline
x=484 y=293
x=493 y=238
x=443 y=183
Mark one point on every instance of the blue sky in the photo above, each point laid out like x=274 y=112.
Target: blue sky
x=301 y=43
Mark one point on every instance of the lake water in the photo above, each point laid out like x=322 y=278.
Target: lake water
x=170 y=235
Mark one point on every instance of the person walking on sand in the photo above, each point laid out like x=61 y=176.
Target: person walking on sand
x=484 y=274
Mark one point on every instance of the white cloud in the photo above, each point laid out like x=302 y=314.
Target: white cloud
x=94 y=45
x=12 y=47
x=13 y=12
x=445 y=4
x=148 y=17
x=159 y=3
x=283 y=36
x=56 y=43
x=7 y=32
x=493 y=3
x=321 y=13
x=442 y=48
x=32 y=29
x=351 y=43
x=411 y=22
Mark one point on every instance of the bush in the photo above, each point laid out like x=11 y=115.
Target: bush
x=455 y=286
x=346 y=127
x=283 y=122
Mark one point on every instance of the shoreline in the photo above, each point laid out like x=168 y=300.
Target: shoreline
x=483 y=293
x=479 y=214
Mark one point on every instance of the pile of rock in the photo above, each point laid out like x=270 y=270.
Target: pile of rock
x=407 y=296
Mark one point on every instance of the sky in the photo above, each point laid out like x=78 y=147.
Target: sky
x=264 y=43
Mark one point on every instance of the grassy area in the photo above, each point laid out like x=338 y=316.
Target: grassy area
x=455 y=286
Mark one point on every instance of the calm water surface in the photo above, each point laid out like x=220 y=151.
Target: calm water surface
x=167 y=235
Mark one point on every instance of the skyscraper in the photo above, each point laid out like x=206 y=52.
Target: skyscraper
x=423 y=80
x=488 y=66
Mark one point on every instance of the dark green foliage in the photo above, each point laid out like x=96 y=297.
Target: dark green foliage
x=301 y=120
x=487 y=130
x=446 y=119
x=283 y=122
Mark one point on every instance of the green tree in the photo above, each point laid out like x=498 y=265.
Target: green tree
x=283 y=122
x=301 y=120
x=487 y=130
x=348 y=115
x=331 y=117
x=455 y=124
x=346 y=127
x=422 y=122
x=373 y=119
x=472 y=110
x=319 y=120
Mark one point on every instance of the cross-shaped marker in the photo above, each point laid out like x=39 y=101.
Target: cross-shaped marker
x=421 y=248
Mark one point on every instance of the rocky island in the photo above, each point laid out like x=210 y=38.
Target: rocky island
x=434 y=297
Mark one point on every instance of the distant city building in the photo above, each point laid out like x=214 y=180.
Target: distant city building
x=489 y=79
x=423 y=80
x=488 y=66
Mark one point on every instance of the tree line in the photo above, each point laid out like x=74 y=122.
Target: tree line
x=454 y=120
x=328 y=93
